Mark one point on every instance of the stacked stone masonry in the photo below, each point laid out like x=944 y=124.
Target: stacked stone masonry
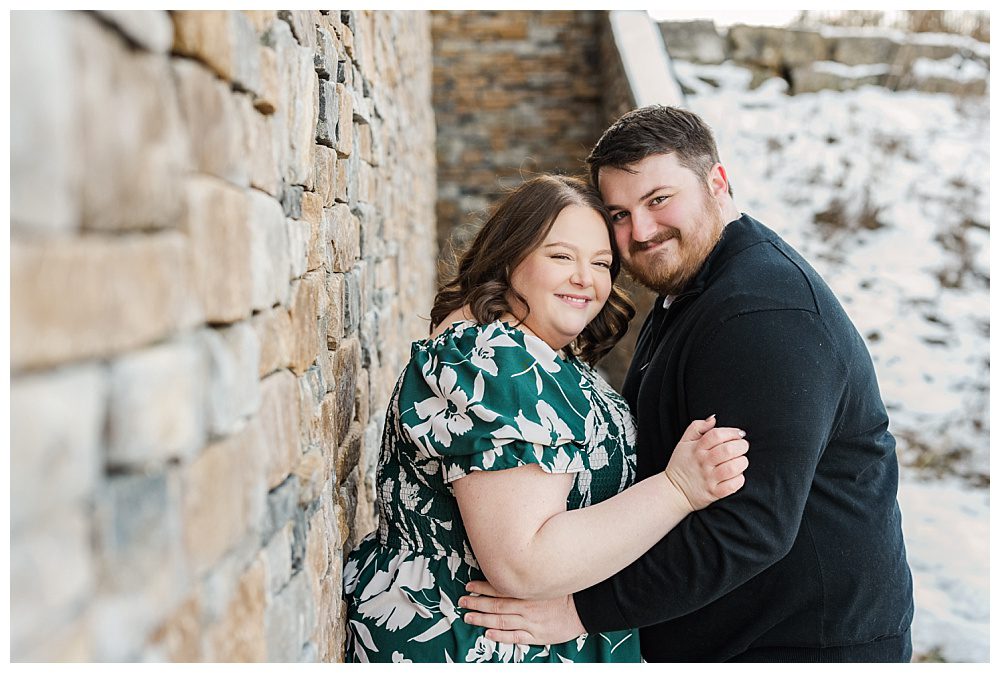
x=222 y=239
x=516 y=93
x=836 y=58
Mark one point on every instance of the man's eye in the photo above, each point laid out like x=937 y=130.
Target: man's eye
x=615 y=217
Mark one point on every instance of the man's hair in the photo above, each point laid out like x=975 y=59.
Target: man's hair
x=655 y=129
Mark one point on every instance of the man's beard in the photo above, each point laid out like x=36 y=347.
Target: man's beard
x=670 y=276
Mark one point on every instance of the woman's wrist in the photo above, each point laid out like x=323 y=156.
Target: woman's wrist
x=677 y=493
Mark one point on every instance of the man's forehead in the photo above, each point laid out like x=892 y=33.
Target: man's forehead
x=634 y=179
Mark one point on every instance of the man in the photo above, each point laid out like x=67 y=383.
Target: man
x=806 y=562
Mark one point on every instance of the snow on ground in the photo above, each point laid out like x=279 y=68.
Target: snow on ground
x=887 y=195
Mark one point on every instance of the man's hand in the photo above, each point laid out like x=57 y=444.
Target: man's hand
x=512 y=620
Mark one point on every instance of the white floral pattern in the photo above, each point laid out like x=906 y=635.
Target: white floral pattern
x=477 y=397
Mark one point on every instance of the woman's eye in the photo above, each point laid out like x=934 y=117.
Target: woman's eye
x=604 y=265
x=658 y=200
x=560 y=256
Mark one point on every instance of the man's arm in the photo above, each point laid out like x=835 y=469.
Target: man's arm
x=775 y=374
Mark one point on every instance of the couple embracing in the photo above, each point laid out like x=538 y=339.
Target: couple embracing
x=737 y=502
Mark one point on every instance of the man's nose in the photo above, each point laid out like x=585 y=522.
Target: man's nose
x=643 y=226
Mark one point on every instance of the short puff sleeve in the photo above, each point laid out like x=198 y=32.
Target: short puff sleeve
x=491 y=397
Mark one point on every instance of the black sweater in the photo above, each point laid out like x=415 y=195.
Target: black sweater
x=806 y=561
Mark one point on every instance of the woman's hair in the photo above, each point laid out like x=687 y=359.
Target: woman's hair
x=518 y=225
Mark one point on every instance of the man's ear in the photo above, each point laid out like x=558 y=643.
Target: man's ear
x=718 y=181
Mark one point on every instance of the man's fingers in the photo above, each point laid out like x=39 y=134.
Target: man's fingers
x=510 y=637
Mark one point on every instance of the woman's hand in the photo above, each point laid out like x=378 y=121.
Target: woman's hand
x=708 y=463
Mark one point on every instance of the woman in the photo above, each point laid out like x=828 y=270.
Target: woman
x=505 y=456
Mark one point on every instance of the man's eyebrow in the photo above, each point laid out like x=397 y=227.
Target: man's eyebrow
x=611 y=206
x=573 y=247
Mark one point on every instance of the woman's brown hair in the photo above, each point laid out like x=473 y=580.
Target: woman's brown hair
x=518 y=225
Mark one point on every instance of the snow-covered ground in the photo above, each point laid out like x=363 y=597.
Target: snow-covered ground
x=887 y=194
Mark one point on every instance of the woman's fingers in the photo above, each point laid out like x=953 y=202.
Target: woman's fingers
x=717 y=436
x=698 y=428
x=720 y=453
x=729 y=486
x=731 y=468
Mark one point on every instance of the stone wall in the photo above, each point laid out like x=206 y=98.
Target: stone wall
x=222 y=235
x=837 y=59
x=515 y=93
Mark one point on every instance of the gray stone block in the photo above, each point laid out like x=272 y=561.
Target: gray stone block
x=279 y=559
x=695 y=41
x=51 y=576
x=326 y=125
x=56 y=426
x=268 y=250
x=157 y=405
x=151 y=30
x=289 y=620
x=233 y=386
x=281 y=505
x=45 y=164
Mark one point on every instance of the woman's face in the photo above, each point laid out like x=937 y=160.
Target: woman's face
x=567 y=279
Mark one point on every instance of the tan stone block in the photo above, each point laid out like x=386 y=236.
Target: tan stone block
x=261 y=19
x=267 y=98
x=225 y=41
x=205 y=35
x=312 y=212
x=239 y=636
x=311 y=471
x=342 y=183
x=362 y=397
x=344 y=231
x=273 y=328
x=335 y=325
x=367 y=182
x=214 y=127
x=93 y=297
x=317 y=563
x=366 y=144
x=279 y=417
x=126 y=102
x=220 y=493
x=326 y=174
x=178 y=639
x=261 y=148
x=299 y=233
x=345 y=121
x=308 y=303
x=217 y=226
x=348 y=364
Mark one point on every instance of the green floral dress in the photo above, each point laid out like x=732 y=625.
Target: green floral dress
x=477 y=397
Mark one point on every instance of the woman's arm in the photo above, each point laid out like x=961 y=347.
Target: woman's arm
x=529 y=546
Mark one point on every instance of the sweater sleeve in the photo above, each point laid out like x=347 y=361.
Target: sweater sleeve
x=777 y=375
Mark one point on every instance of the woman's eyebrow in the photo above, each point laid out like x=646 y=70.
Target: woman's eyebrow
x=573 y=247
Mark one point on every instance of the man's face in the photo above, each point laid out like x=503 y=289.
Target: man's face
x=666 y=220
